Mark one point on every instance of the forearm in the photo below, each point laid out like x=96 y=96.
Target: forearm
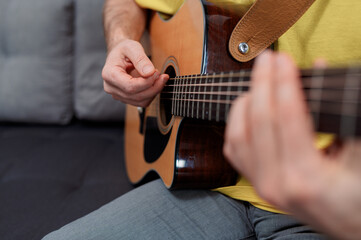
x=123 y=19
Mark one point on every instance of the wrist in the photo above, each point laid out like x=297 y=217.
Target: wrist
x=114 y=39
x=122 y=22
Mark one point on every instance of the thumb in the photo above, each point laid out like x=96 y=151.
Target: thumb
x=135 y=53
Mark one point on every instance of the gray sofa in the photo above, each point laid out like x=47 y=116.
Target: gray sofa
x=61 y=135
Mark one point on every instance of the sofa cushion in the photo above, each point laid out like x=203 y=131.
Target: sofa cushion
x=52 y=175
x=36 y=60
x=91 y=102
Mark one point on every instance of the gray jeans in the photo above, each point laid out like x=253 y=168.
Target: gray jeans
x=153 y=212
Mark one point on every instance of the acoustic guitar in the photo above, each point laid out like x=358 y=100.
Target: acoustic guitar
x=180 y=135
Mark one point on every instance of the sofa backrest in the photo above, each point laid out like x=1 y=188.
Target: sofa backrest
x=51 y=57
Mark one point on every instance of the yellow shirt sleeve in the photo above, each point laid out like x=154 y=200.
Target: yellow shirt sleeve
x=164 y=6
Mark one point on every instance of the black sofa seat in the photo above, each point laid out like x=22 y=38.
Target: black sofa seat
x=52 y=175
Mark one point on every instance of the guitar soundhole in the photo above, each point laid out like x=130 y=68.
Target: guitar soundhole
x=166 y=97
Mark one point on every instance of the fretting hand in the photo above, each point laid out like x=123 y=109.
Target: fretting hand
x=270 y=140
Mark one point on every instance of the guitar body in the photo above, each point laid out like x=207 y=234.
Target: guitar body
x=186 y=153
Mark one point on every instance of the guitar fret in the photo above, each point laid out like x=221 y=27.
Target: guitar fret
x=173 y=97
x=184 y=87
x=204 y=102
x=211 y=98
x=199 y=90
x=194 y=90
x=317 y=81
x=348 y=124
x=181 y=95
x=189 y=96
x=241 y=80
x=228 y=96
x=177 y=100
x=184 y=96
x=219 y=97
x=174 y=100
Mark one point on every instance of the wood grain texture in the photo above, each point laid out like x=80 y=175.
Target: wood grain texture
x=221 y=21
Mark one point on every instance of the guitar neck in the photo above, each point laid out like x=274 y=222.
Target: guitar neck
x=206 y=97
x=332 y=96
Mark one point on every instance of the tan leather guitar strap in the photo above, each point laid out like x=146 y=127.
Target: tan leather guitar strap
x=263 y=24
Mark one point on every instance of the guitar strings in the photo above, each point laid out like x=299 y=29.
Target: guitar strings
x=307 y=83
x=222 y=101
x=247 y=73
x=334 y=87
x=349 y=112
x=332 y=91
x=332 y=95
x=328 y=107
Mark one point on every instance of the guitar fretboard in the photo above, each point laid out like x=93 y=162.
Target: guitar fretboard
x=206 y=97
x=332 y=96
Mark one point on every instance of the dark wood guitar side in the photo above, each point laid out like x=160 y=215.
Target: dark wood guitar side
x=186 y=153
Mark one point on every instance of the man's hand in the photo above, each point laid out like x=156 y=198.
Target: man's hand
x=129 y=75
x=269 y=129
x=269 y=134
x=270 y=140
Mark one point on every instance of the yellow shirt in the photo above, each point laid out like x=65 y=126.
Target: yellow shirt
x=330 y=29
x=164 y=6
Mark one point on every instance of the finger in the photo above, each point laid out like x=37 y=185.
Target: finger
x=320 y=63
x=264 y=138
x=296 y=132
x=349 y=155
x=142 y=98
x=135 y=53
x=134 y=85
x=135 y=101
x=130 y=85
x=145 y=97
x=237 y=136
x=262 y=100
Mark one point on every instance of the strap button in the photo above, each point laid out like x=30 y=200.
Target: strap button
x=243 y=48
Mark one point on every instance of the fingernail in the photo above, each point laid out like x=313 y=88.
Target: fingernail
x=156 y=75
x=165 y=78
x=265 y=57
x=148 y=69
